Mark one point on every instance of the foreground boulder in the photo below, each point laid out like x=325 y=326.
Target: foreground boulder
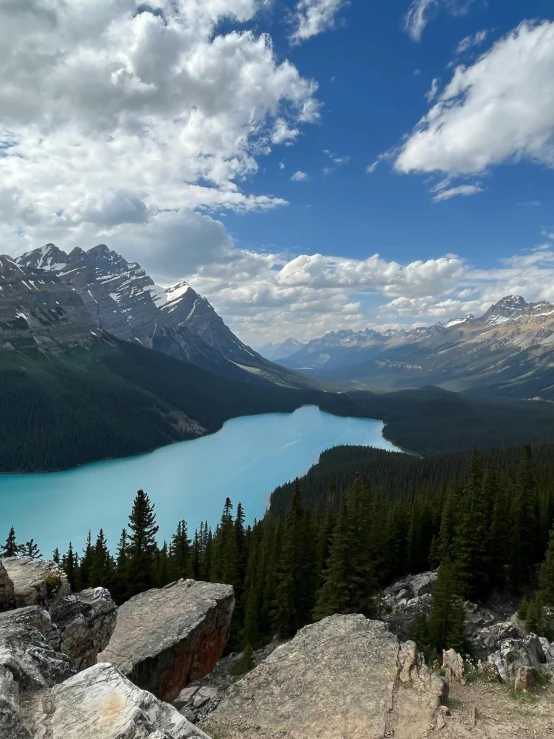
x=165 y=639
x=36 y=617
x=101 y=703
x=35 y=581
x=344 y=676
x=86 y=622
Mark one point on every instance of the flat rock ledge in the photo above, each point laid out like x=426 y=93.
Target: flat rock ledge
x=345 y=676
x=166 y=638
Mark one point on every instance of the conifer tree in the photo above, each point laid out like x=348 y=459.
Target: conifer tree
x=179 y=552
x=350 y=583
x=295 y=589
x=86 y=563
x=11 y=548
x=56 y=556
x=525 y=533
x=546 y=578
x=30 y=549
x=70 y=565
x=100 y=564
x=142 y=544
x=446 y=622
x=121 y=575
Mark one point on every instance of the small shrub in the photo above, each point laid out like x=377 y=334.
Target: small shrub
x=53 y=583
x=245 y=662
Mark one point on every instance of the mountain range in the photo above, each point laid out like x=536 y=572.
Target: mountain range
x=124 y=301
x=509 y=350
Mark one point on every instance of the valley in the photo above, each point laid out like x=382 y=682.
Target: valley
x=508 y=351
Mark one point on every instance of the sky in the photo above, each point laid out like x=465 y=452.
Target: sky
x=308 y=165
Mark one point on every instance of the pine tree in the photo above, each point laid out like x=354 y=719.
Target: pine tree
x=56 y=556
x=121 y=575
x=179 y=553
x=86 y=563
x=100 y=565
x=11 y=548
x=546 y=578
x=446 y=622
x=350 y=583
x=142 y=545
x=30 y=549
x=525 y=531
x=295 y=576
x=70 y=566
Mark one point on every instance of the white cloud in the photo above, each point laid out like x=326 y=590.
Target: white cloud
x=300 y=176
x=421 y=12
x=312 y=17
x=431 y=95
x=470 y=42
x=499 y=109
x=114 y=112
x=370 y=169
x=281 y=165
x=452 y=192
x=337 y=161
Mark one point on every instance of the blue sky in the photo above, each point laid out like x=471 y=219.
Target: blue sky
x=231 y=143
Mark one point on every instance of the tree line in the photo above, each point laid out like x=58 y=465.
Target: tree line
x=484 y=530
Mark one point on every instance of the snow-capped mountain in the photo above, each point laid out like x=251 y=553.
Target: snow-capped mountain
x=38 y=311
x=123 y=300
x=512 y=343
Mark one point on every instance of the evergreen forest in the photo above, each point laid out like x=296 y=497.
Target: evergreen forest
x=332 y=541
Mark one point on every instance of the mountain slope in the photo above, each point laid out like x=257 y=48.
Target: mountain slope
x=124 y=301
x=509 y=349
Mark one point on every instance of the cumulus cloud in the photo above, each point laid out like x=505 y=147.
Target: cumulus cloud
x=300 y=176
x=312 y=17
x=421 y=12
x=114 y=113
x=432 y=93
x=499 y=109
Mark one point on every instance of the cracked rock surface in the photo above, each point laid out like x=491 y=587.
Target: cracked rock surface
x=345 y=676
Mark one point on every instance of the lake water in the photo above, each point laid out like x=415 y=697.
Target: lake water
x=246 y=461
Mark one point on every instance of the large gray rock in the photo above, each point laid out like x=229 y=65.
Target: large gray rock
x=165 y=639
x=86 y=622
x=10 y=708
x=7 y=597
x=101 y=703
x=36 y=581
x=517 y=654
x=33 y=663
x=345 y=676
x=36 y=617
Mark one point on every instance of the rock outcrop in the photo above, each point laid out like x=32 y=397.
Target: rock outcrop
x=36 y=617
x=407 y=598
x=516 y=655
x=36 y=581
x=101 y=703
x=344 y=676
x=165 y=639
x=86 y=622
x=7 y=597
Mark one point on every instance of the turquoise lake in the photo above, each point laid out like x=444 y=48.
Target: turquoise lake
x=246 y=460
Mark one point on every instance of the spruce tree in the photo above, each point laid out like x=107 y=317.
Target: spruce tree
x=30 y=549
x=179 y=553
x=100 y=564
x=142 y=545
x=121 y=575
x=70 y=566
x=525 y=530
x=350 y=583
x=86 y=563
x=446 y=622
x=11 y=548
x=546 y=578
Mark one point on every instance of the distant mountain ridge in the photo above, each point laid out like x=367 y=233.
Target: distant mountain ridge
x=123 y=300
x=510 y=349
